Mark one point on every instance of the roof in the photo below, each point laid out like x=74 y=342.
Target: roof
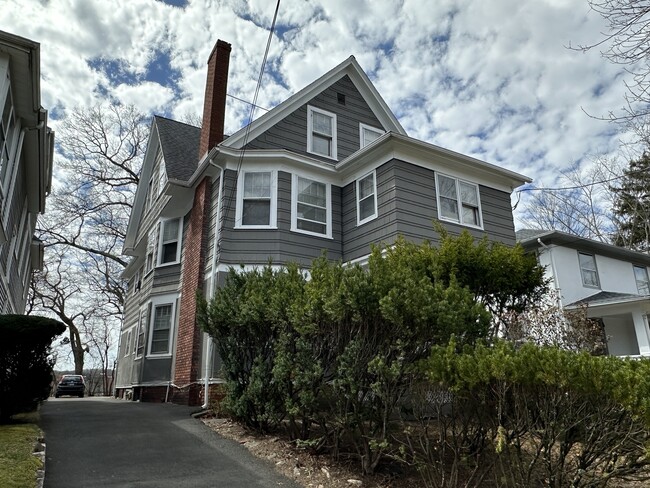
x=529 y=238
x=608 y=298
x=348 y=67
x=179 y=143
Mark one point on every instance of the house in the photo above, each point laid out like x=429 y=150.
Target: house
x=26 y=149
x=330 y=168
x=611 y=281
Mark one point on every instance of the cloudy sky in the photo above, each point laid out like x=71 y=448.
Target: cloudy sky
x=494 y=80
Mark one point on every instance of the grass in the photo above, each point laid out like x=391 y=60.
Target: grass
x=18 y=465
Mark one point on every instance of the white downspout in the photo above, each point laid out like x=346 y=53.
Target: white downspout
x=217 y=232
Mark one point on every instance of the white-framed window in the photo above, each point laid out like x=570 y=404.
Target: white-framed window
x=321 y=132
x=139 y=342
x=7 y=129
x=642 y=282
x=368 y=134
x=162 y=174
x=127 y=349
x=160 y=337
x=169 y=250
x=458 y=201
x=311 y=206
x=151 y=246
x=256 y=199
x=366 y=198
x=588 y=270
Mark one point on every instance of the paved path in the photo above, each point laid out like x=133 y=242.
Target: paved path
x=94 y=442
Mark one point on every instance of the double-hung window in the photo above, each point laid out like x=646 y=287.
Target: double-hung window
x=127 y=349
x=366 y=198
x=256 y=199
x=7 y=127
x=642 y=282
x=458 y=201
x=161 y=328
x=170 y=236
x=311 y=207
x=321 y=132
x=139 y=347
x=368 y=134
x=588 y=270
x=162 y=175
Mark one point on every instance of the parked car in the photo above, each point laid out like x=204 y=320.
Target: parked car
x=71 y=384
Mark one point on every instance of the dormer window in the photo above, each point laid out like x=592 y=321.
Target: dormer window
x=321 y=132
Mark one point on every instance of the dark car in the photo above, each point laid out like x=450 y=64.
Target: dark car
x=71 y=384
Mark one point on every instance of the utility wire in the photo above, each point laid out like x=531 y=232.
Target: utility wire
x=585 y=185
x=252 y=112
x=246 y=101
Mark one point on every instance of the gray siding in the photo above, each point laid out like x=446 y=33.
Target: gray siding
x=258 y=246
x=406 y=200
x=291 y=132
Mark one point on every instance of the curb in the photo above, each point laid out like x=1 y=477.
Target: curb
x=39 y=452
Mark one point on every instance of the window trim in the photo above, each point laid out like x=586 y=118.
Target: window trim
x=647 y=278
x=375 y=214
x=160 y=243
x=582 y=276
x=127 y=351
x=140 y=330
x=294 y=207
x=239 y=205
x=310 y=132
x=362 y=128
x=458 y=201
x=161 y=302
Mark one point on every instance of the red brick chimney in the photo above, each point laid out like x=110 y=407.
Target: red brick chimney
x=188 y=346
x=214 y=105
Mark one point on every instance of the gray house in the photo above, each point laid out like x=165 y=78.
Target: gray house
x=26 y=149
x=330 y=168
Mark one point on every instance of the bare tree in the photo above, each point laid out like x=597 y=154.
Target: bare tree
x=100 y=152
x=580 y=204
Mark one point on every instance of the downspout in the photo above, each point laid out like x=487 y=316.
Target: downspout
x=554 y=271
x=217 y=232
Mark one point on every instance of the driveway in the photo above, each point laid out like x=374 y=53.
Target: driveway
x=100 y=442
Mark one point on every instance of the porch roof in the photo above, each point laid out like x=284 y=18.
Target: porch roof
x=608 y=298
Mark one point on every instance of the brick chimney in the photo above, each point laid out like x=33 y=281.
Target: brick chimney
x=214 y=105
x=188 y=346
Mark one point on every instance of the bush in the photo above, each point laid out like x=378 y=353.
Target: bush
x=25 y=363
x=534 y=416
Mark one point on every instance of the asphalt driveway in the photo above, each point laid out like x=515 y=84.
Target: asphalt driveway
x=99 y=442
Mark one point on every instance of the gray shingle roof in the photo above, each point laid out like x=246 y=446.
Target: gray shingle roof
x=606 y=297
x=180 y=146
x=524 y=234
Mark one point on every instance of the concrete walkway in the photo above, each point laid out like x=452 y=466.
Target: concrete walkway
x=99 y=442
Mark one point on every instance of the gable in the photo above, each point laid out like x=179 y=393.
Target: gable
x=291 y=132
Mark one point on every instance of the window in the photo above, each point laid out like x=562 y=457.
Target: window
x=588 y=270
x=458 y=201
x=127 y=349
x=169 y=251
x=7 y=129
x=368 y=134
x=161 y=329
x=139 y=348
x=366 y=198
x=311 y=207
x=642 y=282
x=162 y=175
x=321 y=132
x=151 y=245
x=256 y=199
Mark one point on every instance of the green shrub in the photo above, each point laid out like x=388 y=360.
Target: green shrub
x=25 y=363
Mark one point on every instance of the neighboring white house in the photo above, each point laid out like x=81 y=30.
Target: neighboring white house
x=26 y=148
x=612 y=281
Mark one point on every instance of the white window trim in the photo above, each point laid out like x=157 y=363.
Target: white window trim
x=294 y=207
x=358 y=193
x=159 y=245
x=142 y=318
x=363 y=127
x=239 y=205
x=128 y=344
x=157 y=302
x=310 y=132
x=640 y=266
x=459 y=202
x=162 y=175
x=582 y=279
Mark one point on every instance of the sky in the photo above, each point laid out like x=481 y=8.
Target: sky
x=495 y=80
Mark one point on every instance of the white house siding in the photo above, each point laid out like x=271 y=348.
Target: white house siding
x=621 y=336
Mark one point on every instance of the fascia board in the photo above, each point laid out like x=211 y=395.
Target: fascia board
x=141 y=192
x=348 y=67
x=397 y=146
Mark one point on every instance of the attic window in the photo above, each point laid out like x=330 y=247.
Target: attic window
x=340 y=98
x=321 y=132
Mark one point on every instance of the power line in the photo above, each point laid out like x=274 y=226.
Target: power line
x=246 y=101
x=584 y=185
